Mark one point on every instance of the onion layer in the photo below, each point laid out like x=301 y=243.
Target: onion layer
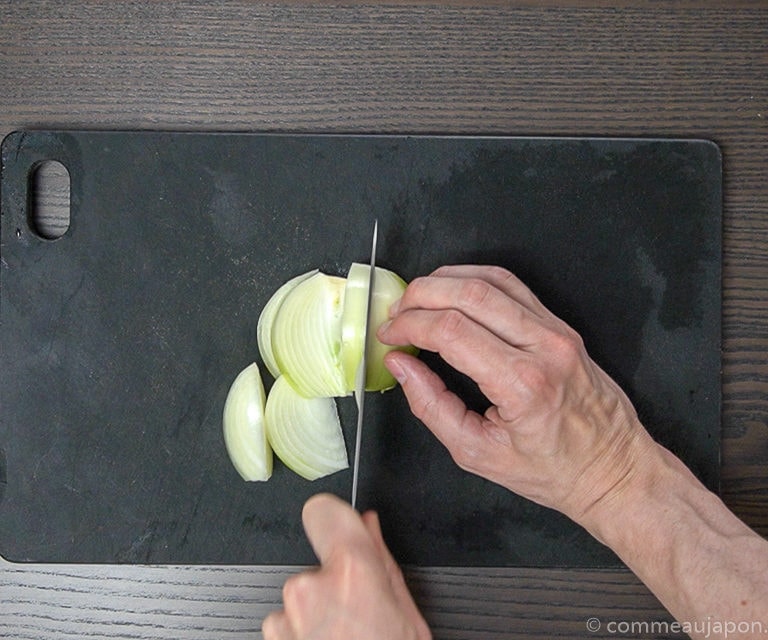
x=387 y=287
x=244 y=430
x=305 y=433
x=267 y=319
x=306 y=337
x=311 y=336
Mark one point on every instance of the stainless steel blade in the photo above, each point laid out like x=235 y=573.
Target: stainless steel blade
x=361 y=369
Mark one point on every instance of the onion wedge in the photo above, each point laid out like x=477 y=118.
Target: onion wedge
x=305 y=433
x=243 y=425
x=306 y=337
x=311 y=336
x=267 y=319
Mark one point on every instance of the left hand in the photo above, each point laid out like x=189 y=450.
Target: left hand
x=560 y=431
x=357 y=592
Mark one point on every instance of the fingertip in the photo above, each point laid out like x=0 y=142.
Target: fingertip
x=320 y=509
x=321 y=497
x=324 y=506
x=330 y=522
x=394 y=365
x=319 y=501
x=443 y=270
x=275 y=627
x=383 y=329
x=409 y=370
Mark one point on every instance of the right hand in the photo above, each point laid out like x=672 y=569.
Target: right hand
x=357 y=592
x=560 y=432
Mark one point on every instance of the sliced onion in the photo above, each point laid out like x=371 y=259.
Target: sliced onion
x=353 y=321
x=310 y=336
x=267 y=319
x=306 y=337
x=305 y=433
x=244 y=430
x=387 y=287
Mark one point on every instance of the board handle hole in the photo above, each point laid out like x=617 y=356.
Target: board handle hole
x=49 y=199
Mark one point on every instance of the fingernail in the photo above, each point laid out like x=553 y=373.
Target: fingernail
x=394 y=308
x=396 y=369
x=383 y=328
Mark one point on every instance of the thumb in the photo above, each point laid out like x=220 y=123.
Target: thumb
x=331 y=523
x=441 y=410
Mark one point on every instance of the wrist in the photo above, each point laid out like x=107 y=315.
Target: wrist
x=679 y=538
x=661 y=500
x=622 y=473
x=636 y=497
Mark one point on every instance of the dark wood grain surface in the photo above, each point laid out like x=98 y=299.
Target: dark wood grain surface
x=643 y=68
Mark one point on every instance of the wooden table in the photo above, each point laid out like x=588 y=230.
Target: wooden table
x=682 y=69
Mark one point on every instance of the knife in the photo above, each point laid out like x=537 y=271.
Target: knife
x=361 y=368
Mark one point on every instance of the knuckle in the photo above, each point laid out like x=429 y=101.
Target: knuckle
x=474 y=293
x=426 y=409
x=451 y=325
x=501 y=275
x=269 y=628
x=468 y=450
x=567 y=345
x=295 y=592
x=429 y=410
x=414 y=291
x=530 y=380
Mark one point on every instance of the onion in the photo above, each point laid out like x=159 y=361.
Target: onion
x=387 y=287
x=306 y=337
x=243 y=422
x=353 y=321
x=311 y=336
x=305 y=433
x=267 y=318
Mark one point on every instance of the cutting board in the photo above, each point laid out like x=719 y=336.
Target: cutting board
x=120 y=339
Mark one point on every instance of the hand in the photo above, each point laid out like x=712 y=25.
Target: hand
x=560 y=431
x=358 y=592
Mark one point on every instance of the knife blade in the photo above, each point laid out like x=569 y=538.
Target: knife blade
x=361 y=369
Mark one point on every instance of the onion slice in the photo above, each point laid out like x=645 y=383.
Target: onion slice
x=306 y=337
x=305 y=433
x=311 y=336
x=243 y=425
x=267 y=319
x=353 y=321
x=387 y=287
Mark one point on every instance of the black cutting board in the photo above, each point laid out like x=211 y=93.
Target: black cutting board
x=120 y=339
